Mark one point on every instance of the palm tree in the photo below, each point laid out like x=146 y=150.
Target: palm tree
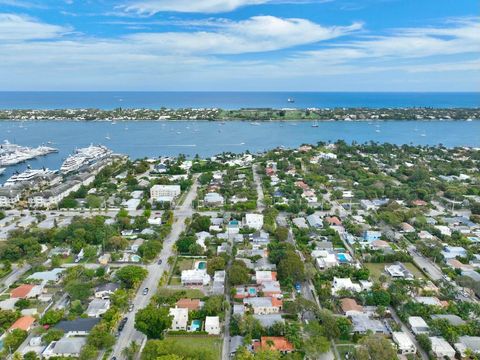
x=130 y=352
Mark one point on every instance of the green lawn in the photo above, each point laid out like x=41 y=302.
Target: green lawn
x=211 y=347
x=189 y=293
x=344 y=349
x=379 y=269
x=184 y=264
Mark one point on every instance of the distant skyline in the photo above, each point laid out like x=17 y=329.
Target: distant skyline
x=240 y=45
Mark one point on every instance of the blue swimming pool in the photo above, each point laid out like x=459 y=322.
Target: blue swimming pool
x=202 y=265
x=342 y=257
x=196 y=325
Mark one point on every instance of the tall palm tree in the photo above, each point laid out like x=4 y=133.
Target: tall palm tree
x=130 y=352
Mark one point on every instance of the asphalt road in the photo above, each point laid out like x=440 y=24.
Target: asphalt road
x=155 y=272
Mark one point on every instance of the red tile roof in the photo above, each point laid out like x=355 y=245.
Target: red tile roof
x=24 y=323
x=190 y=304
x=333 y=220
x=22 y=291
x=278 y=343
x=277 y=302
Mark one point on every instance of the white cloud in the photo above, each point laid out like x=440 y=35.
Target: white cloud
x=192 y=60
x=257 y=34
x=20 y=27
x=150 y=7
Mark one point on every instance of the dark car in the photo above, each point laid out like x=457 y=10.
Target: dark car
x=160 y=262
x=122 y=324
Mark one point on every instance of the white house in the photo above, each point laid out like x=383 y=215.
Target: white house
x=441 y=348
x=212 y=325
x=180 y=318
x=254 y=221
x=263 y=305
x=98 y=307
x=404 y=344
x=339 y=284
x=195 y=277
x=213 y=199
x=418 y=325
x=65 y=347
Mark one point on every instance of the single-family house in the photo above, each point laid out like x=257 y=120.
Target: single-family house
x=370 y=236
x=190 y=304
x=275 y=343
x=350 y=307
x=104 y=291
x=98 y=307
x=77 y=327
x=179 y=318
x=195 y=277
x=441 y=348
x=68 y=347
x=315 y=221
x=263 y=305
x=398 y=271
x=26 y=291
x=339 y=284
x=212 y=325
x=418 y=325
x=467 y=344
x=254 y=221
x=404 y=344
x=24 y=323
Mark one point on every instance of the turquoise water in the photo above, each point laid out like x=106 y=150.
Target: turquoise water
x=196 y=325
x=140 y=139
x=342 y=257
x=202 y=265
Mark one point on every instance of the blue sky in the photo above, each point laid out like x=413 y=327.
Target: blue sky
x=260 y=45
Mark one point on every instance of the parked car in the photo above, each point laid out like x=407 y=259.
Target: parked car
x=122 y=324
x=145 y=291
x=160 y=262
x=130 y=307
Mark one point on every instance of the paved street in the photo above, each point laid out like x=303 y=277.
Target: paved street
x=155 y=272
x=407 y=331
x=258 y=183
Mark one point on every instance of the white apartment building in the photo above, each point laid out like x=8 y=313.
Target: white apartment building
x=157 y=191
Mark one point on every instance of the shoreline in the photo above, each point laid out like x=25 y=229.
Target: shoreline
x=252 y=115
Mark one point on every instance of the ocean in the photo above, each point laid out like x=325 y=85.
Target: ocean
x=232 y=100
x=140 y=139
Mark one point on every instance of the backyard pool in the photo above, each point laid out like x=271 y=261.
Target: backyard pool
x=201 y=265
x=196 y=325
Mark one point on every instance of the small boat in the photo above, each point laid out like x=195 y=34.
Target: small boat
x=469 y=120
x=315 y=124
x=377 y=130
x=255 y=123
x=423 y=134
x=2 y=170
x=107 y=137
x=291 y=100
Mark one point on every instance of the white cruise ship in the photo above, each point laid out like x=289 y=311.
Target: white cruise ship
x=83 y=157
x=27 y=176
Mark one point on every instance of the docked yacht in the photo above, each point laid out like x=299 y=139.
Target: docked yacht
x=27 y=176
x=84 y=157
